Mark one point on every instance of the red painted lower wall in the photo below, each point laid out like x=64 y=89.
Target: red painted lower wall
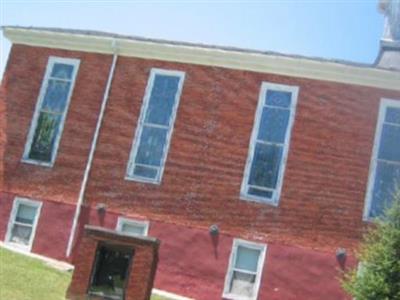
x=53 y=228
x=6 y=202
x=193 y=264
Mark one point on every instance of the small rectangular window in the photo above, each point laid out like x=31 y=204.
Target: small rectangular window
x=269 y=143
x=22 y=223
x=154 y=130
x=51 y=108
x=132 y=227
x=244 y=272
x=384 y=179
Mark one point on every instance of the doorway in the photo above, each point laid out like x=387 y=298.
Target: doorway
x=110 y=272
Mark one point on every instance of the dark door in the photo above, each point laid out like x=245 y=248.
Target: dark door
x=110 y=272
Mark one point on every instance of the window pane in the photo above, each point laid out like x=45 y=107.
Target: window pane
x=242 y=284
x=44 y=137
x=273 y=125
x=21 y=234
x=392 y=115
x=162 y=100
x=56 y=96
x=278 y=98
x=132 y=229
x=386 y=179
x=265 y=166
x=156 y=125
x=257 y=192
x=389 y=148
x=247 y=258
x=26 y=214
x=62 y=71
x=151 y=146
x=143 y=171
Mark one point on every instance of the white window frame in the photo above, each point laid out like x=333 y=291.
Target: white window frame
x=28 y=202
x=122 y=221
x=265 y=86
x=50 y=63
x=139 y=127
x=384 y=104
x=232 y=260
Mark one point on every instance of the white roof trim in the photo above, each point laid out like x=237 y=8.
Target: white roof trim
x=232 y=59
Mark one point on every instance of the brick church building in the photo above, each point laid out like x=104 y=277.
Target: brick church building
x=254 y=169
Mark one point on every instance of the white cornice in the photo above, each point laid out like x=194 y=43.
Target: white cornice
x=390 y=43
x=232 y=59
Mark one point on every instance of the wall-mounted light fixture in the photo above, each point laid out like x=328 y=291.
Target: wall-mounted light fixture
x=341 y=256
x=213 y=230
x=101 y=208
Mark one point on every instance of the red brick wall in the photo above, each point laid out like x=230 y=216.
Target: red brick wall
x=3 y=136
x=22 y=82
x=326 y=174
x=6 y=203
x=53 y=230
x=83 y=262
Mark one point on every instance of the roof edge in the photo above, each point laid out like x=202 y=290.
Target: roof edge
x=232 y=58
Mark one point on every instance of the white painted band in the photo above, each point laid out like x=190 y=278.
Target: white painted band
x=232 y=59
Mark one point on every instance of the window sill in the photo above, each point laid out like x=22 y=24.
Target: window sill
x=37 y=163
x=249 y=198
x=18 y=247
x=142 y=180
x=229 y=296
x=368 y=220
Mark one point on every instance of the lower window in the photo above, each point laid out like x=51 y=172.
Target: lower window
x=245 y=268
x=22 y=224
x=132 y=227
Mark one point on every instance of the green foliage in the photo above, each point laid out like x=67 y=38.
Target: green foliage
x=43 y=140
x=45 y=129
x=378 y=278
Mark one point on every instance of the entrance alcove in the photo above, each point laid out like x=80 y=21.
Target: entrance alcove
x=110 y=265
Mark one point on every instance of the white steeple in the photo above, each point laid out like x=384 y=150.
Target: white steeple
x=389 y=55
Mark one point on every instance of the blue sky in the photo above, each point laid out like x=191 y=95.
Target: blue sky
x=342 y=29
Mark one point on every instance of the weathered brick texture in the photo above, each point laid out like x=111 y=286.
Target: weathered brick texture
x=22 y=81
x=327 y=169
x=326 y=174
